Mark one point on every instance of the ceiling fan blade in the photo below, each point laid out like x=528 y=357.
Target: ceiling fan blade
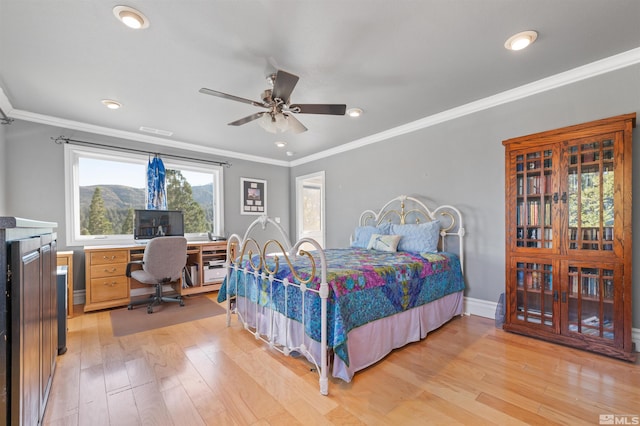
x=332 y=109
x=232 y=97
x=294 y=124
x=284 y=85
x=247 y=119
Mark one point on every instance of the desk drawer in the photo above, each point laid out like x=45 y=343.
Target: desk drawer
x=107 y=289
x=108 y=270
x=109 y=257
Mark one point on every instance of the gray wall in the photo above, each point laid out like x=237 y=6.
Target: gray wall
x=35 y=181
x=461 y=162
x=3 y=172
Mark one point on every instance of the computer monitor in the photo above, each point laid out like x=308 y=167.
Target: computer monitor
x=149 y=224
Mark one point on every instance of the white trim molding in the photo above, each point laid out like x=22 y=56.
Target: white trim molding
x=593 y=69
x=487 y=309
x=479 y=307
x=122 y=134
x=603 y=66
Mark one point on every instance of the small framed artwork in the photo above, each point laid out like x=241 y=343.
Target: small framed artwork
x=254 y=196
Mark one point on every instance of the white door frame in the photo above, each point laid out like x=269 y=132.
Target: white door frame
x=310 y=179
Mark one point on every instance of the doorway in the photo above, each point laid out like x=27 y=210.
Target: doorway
x=310 y=208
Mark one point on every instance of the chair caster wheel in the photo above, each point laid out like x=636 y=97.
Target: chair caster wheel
x=149 y=310
x=129 y=307
x=181 y=303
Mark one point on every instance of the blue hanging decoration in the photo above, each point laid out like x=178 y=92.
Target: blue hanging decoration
x=156 y=190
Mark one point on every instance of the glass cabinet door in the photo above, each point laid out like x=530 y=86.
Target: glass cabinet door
x=534 y=189
x=591 y=295
x=534 y=292
x=590 y=196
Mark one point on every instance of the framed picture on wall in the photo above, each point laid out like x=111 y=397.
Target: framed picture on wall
x=254 y=196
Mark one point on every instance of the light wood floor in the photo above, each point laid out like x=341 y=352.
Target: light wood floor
x=467 y=372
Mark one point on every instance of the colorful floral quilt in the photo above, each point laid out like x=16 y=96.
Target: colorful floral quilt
x=365 y=285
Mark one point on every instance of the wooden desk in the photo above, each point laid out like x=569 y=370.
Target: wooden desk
x=107 y=285
x=65 y=258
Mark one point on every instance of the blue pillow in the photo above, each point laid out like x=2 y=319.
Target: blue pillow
x=384 y=242
x=418 y=238
x=385 y=227
x=362 y=235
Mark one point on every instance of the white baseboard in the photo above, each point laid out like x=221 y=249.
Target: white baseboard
x=79 y=297
x=478 y=307
x=487 y=309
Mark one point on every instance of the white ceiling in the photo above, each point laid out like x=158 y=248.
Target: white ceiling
x=399 y=61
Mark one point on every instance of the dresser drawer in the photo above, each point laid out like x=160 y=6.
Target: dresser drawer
x=108 y=270
x=108 y=257
x=107 y=289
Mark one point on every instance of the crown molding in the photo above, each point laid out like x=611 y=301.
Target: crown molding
x=603 y=66
x=106 y=131
x=5 y=105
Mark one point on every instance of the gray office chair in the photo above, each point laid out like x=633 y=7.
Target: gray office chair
x=163 y=261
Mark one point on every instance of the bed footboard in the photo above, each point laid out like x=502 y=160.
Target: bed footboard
x=264 y=303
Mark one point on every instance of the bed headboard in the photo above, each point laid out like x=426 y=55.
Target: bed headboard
x=402 y=210
x=406 y=210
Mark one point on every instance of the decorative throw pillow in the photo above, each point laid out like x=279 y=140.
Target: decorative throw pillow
x=385 y=228
x=384 y=242
x=362 y=235
x=418 y=238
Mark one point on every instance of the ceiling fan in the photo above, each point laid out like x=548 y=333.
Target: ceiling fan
x=278 y=116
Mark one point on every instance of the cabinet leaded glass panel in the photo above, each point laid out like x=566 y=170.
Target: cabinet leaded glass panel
x=534 y=199
x=591 y=299
x=590 y=187
x=534 y=293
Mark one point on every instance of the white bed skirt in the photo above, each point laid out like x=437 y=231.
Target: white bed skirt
x=367 y=344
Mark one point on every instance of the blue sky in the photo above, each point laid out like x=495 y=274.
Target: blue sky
x=101 y=172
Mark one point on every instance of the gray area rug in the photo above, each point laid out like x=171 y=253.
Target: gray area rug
x=137 y=320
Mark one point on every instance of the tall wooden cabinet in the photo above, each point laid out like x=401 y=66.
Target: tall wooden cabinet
x=28 y=319
x=568 y=236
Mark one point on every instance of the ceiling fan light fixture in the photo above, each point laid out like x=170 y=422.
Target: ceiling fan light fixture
x=354 y=112
x=111 y=104
x=274 y=122
x=267 y=122
x=131 y=17
x=281 y=122
x=521 y=40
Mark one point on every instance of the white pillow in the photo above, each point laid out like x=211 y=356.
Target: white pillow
x=384 y=242
x=418 y=238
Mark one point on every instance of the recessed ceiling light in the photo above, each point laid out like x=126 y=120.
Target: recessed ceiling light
x=354 y=112
x=131 y=17
x=290 y=153
x=281 y=144
x=521 y=40
x=111 y=104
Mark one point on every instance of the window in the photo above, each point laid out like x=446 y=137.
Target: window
x=103 y=188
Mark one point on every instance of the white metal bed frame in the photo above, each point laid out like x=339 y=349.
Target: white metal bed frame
x=282 y=248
